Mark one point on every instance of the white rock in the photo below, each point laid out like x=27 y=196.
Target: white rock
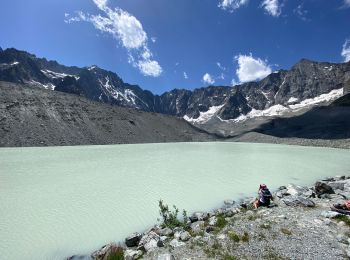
x=130 y=254
x=329 y=214
x=176 y=243
x=185 y=236
x=213 y=220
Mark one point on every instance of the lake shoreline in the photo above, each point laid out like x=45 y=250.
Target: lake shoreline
x=300 y=226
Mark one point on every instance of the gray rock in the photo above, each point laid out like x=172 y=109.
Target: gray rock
x=197 y=227
x=176 y=243
x=133 y=239
x=149 y=241
x=131 y=254
x=323 y=188
x=329 y=214
x=298 y=201
x=99 y=254
x=337 y=185
x=295 y=190
x=198 y=216
x=166 y=232
x=185 y=236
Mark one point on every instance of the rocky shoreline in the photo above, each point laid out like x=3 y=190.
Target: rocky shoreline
x=298 y=225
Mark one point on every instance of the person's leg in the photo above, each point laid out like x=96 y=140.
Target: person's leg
x=256 y=204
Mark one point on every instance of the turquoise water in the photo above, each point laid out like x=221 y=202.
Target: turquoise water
x=60 y=201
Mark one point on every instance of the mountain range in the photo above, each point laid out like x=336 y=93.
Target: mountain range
x=223 y=110
x=305 y=80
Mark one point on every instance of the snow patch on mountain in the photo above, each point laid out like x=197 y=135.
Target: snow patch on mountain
x=204 y=116
x=334 y=94
x=55 y=75
x=292 y=100
x=9 y=64
x=279 y=110
x=49 y=86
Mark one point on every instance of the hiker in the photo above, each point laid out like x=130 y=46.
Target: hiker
x=265 y=197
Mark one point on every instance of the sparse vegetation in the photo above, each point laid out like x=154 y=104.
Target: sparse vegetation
x=116 y=253
x=228 y=257
x=343 y=218
x=169 y=217
x=221 y=221
x=233 y=236
x=245 y=237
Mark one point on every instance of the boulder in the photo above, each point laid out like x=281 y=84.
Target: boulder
x=199 y=216
x=176 y=243
x=185 y=236
x=337 y=185
x=150 y=241
x=298 y=201
x=133 y=239
x=329 y=214
x=295 y=190
x=323 y=188
x=197 y=227
x=99 y=254
x=166 y=232
x=131 y=254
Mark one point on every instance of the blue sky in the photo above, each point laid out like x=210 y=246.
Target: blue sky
x=166 y=44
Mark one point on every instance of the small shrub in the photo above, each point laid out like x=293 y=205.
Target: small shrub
x=221 y=221
x=245 y=237
x=343 y=218
x=169 y=217
x=228 y=257
x=116 y=253
x=286 y=231
x=233 y=236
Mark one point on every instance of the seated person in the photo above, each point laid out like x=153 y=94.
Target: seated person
x=265 y=197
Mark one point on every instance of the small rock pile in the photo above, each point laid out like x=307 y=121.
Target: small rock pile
x=300 y=225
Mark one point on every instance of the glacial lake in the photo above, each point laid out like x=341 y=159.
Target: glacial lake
x=60 y=201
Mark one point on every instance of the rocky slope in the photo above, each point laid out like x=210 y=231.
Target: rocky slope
x=31 y=116
x=299 y=225
x=279 y=93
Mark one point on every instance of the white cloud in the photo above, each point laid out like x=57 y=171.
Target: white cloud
x=149 y=67
x=347 y=3
x=221 y=76
x=272 y=7
x=185 y=75
x=126 y=29
x=231 y=5
x=301 y=12
x=207 y=78
x=346 y=51
x=153 y=39
x=251 y=69
x=220 y=66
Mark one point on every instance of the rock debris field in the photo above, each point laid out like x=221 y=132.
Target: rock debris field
x=299 y=225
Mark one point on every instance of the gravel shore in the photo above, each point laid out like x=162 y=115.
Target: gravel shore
x=298 y=225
